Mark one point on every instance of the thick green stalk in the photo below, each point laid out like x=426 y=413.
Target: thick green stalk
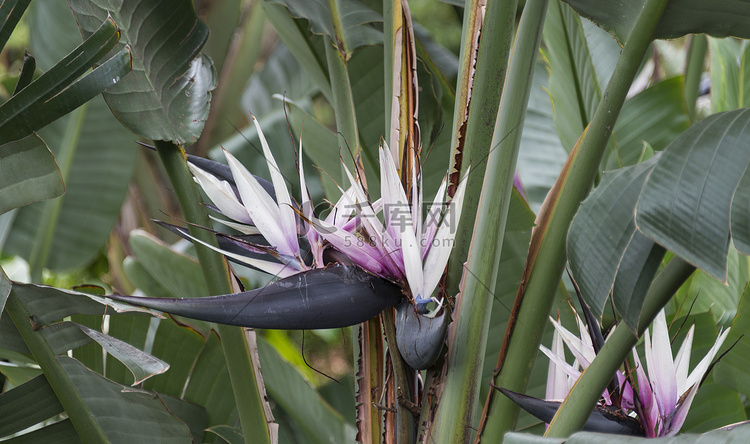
x=405 y=426
x=75 y=407
x=343 y=106
x=549 y=263
x=216 y=272
x=588 y=389
x=45 y=231
x=392 y=21
x=466 y=353
x=693 y=71
x=474 y=135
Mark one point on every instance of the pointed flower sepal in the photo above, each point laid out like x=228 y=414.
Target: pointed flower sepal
x=420 y=338
x=333 y=297
x=603 y=419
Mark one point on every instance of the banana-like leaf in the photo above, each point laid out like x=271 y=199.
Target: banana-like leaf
x=333 y=297
x=124 y=414
x=720 y=18
x=656 y=115
x=729 y=79
x=731 y=370
x=604 y=246
x=686 y=200
x=573 y=84
x=740 y=216
x=54 y=94
x=97 y=171
x=345 y=22
x=167 y=95
x=99 y=408
x=10 y=14
x=96 y=185
x=299 y=400
x=542 y=155
x=26 y=405
x=30 y=173
x=308 y=50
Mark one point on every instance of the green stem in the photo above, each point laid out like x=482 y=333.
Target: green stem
x=588 y=389
x=466 y=352
x=694 y=70
x=405 y=419
x=484 y=100
x=75 y=407
x=343 y=106
x=216 y=272
x=45 y=231
x=547 y=267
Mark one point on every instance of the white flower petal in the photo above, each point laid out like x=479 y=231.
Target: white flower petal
x=660 y=365
x=442 y=243
x=557 y=381
x=579 y=348
x=400 y=225
x=263 y=210
x=682 y=361
x=221 y=194
x=242 y=228
x=432 y=219
x=700 y=370
x=287 y=219
x=273 y=268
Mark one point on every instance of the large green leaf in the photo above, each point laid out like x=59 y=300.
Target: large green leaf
x=99 y=171
x=573 y=84
x=99 y=408
x=10 y=15
x=308 y=50
x=319 y=421
x=656 y=115
x=124 y=414
x=542 y=154
x=346 y=22
x=56 y=92
x=26 y=405
x=728 y=76
x=30 y=173
x=167 y=95
x=732 y=370
x=719 y=18
x=685 y=204
x=740 y=216
x=96 y=184
x=603 y=244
